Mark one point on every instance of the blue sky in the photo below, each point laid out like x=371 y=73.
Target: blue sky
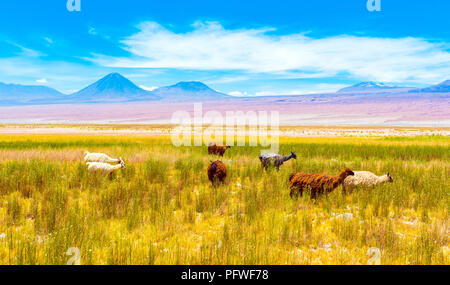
x=254 y=48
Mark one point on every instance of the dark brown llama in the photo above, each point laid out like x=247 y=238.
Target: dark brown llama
x=317 y=182
x=213 y=148
x=217 y=172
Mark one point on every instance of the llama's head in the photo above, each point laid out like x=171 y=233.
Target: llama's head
x=347 y=172
x=293 y=155
x=227 y=147
x=122 y=163
x=389 y=178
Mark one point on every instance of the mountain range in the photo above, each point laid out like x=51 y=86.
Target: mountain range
x=373 y=87
x=442 y=87
x=15 y=94
x=115 y=88
x=188 y=91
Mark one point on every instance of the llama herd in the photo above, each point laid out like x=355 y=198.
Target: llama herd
x=317 y=183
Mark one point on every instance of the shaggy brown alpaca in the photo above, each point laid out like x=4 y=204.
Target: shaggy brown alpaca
x=213 y=148
x=217 y=171
x=317 y=182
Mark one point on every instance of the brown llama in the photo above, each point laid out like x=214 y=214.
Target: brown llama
x=317 y=182
x=213 y=148
x=217 y=171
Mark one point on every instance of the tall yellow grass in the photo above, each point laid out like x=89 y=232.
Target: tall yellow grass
x=162 y=210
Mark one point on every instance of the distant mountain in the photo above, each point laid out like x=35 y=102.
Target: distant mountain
x=115 y=88
x=112 y=88
x=442 y=87
x=15 y=94
x=372 y=87
x=189 y=91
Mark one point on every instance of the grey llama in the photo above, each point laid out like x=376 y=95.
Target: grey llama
x=268 y=159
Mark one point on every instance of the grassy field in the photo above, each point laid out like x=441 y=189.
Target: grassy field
x=162 y=209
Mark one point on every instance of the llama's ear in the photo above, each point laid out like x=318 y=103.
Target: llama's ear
x=388 y=174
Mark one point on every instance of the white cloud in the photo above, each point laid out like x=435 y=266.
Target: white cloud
x=26 y=52
x=148 y=88
x=237 y=93
x=48 y=40
x=95 y=32
x=92 y=31
x=42 y=81
x=228 y=79
x=209 y=46
x=309 y=89
x=314 y=89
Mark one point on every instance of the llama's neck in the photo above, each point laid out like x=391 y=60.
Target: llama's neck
x=338 y=179
x=117 y=167
x=335 y=181
x=286 y=158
